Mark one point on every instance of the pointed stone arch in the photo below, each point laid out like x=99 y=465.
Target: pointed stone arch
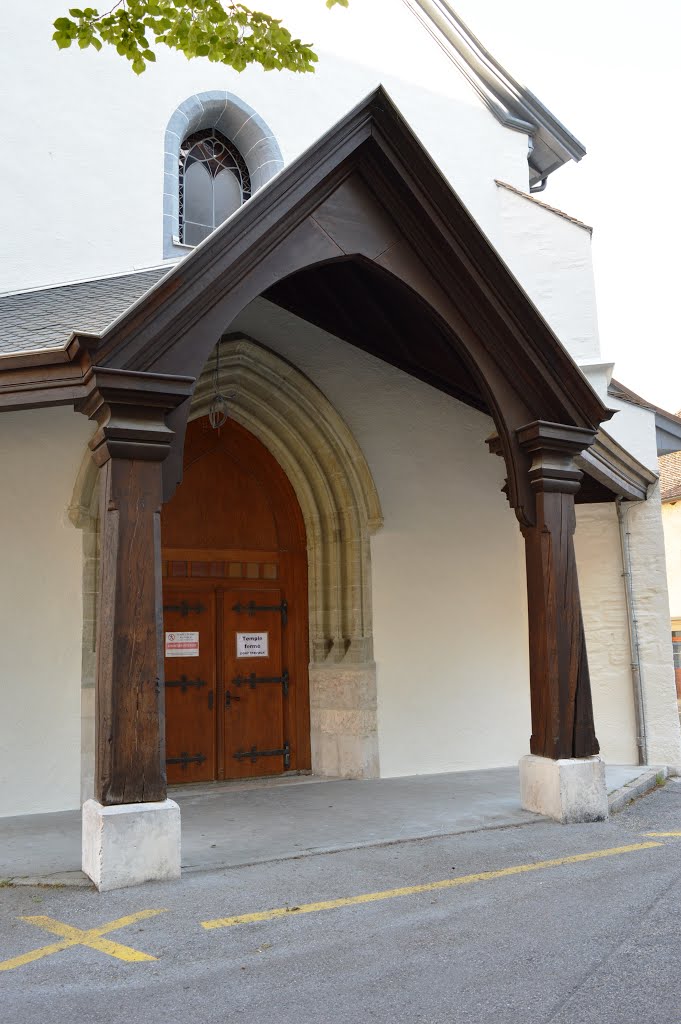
x=312 y=443
x=333 y=483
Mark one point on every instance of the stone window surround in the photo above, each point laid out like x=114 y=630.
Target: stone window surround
x=240 y=124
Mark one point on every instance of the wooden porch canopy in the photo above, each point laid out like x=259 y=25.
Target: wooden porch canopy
x=363 y=236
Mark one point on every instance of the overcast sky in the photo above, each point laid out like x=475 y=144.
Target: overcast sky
x=610 y=72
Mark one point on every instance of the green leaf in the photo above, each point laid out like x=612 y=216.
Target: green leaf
x=225 y=31
x=62 y=41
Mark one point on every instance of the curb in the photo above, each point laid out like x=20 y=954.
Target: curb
x=641 y=786
x=59 y=880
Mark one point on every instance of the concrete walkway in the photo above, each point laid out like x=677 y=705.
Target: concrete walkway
x=226 y=825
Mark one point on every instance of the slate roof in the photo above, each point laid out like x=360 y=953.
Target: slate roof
x=670 y=476
x=46 y=317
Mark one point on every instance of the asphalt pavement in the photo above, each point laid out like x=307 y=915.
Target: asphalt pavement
x=529 y=924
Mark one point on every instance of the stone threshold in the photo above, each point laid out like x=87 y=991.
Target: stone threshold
x=296 y=778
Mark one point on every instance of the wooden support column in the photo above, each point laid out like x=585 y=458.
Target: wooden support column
x=562 y=713
x=129 y=446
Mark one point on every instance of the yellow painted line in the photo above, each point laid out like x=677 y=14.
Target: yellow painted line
x=662 y=834
x=412 y=890
x=78 y=937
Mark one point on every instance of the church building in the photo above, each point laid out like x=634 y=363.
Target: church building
x=310 y=461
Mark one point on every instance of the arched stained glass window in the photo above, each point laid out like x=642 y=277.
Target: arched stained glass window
x=214 y=182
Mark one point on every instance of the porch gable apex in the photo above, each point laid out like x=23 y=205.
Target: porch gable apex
x=375 y=142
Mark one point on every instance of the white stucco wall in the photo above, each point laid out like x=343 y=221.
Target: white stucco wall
x=671 y=522
x=634 y=428
x=92 y=203
x=449 y=597
x=601 y=587
x=552 y=259
x=40 y=611
x=449 y=578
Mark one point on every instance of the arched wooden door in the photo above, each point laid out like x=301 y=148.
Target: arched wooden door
x=235 y=613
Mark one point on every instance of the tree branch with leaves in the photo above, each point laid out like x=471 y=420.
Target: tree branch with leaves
x=225 y=33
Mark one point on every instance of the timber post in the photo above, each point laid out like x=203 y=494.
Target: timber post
x=562 y=712
x=130 y=444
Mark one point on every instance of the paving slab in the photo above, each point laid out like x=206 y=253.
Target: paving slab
x=226 y=825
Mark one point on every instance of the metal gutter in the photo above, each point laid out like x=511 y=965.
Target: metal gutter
x=514 y=106
x=634 y=643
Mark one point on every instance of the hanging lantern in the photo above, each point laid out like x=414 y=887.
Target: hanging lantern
x=217 y=413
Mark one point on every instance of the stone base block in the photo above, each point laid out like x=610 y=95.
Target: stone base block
x=130 y=843
x=343 y=726
x=569 y=790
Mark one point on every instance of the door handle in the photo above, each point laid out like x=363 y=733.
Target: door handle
x=229 y=697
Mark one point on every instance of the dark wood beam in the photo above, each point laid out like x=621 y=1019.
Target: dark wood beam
x=560 y=689
x=129 y=445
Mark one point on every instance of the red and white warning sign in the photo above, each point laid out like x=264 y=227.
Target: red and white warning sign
x=182 y=645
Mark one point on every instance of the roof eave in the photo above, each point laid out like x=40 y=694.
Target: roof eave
x=607 y=462
x=667 y=425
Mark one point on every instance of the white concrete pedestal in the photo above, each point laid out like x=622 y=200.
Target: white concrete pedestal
x=129 y=844
x=569 y=790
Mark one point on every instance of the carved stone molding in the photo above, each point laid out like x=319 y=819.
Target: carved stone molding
x=285 y=410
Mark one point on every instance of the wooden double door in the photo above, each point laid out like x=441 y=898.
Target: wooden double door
x=226 y=683
x=235 y=618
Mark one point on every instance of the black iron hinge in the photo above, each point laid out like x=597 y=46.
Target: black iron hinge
x=251 y=608
x=185 y=759
x=254 y=681
x=253 y=754
x=184 y=608
x=185 y=683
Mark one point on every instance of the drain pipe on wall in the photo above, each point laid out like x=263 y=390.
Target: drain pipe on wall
x=634 y=645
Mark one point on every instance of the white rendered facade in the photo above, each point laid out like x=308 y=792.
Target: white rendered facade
x=95 y=209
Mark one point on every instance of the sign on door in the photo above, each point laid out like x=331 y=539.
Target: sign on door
x=252 y=645
x=182 y=645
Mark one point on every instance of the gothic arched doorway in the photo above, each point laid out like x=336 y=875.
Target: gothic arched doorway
x=235 y=611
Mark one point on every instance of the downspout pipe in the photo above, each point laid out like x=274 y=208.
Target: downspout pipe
x=634 y=643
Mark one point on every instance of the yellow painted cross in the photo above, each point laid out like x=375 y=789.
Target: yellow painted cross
x=79 y=937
